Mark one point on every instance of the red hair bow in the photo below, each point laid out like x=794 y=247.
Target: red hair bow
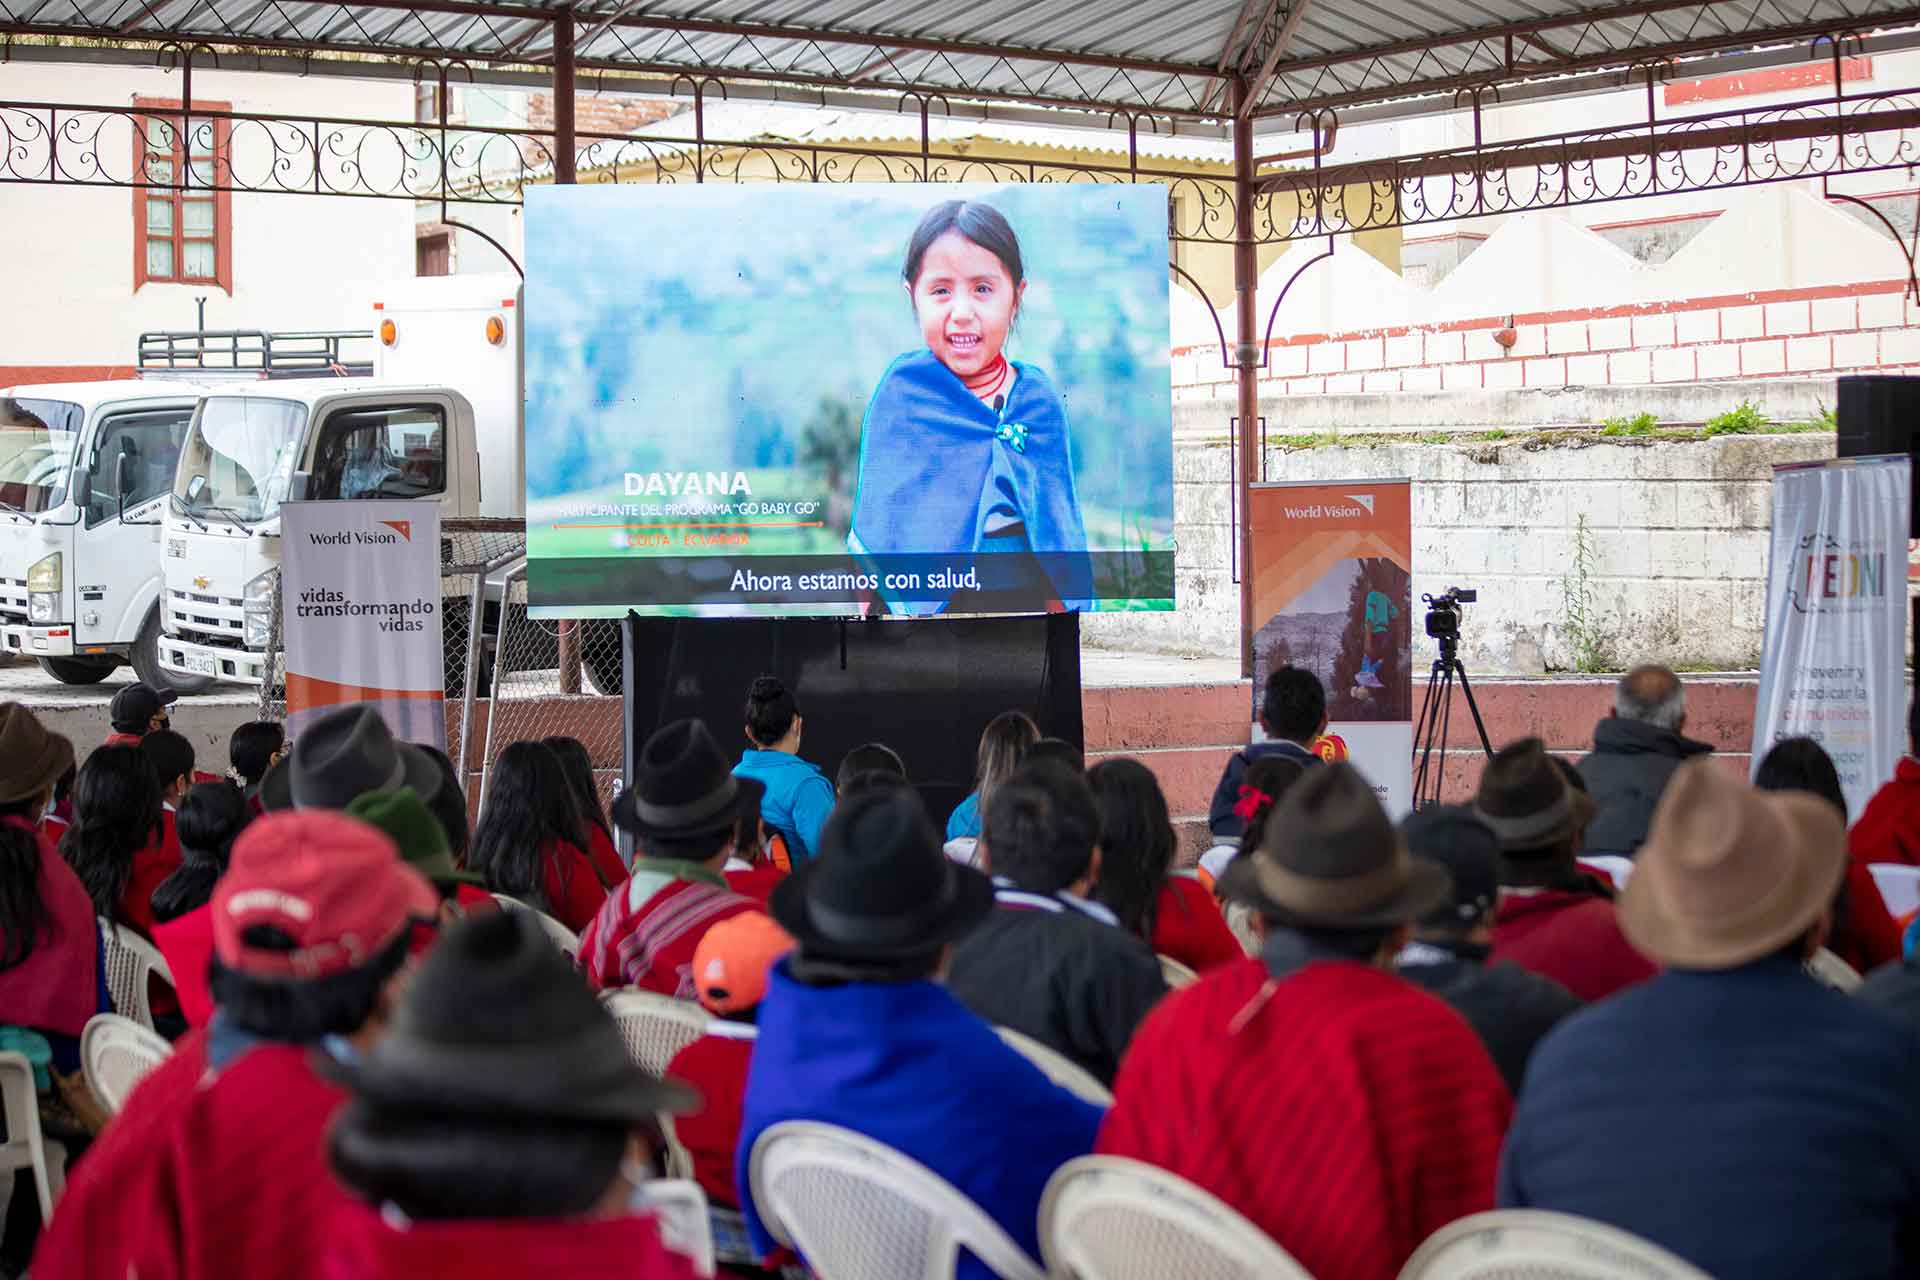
x=1251 y=803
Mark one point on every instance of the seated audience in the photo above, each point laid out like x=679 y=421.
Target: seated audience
x=1004 y=744
x=1731 y=1110
x=447 y=802
x=341 y=755
x=51 y=976
x=1267 y=779
x=1862 y=933
x=1889 y=827
x=137 y=710
x=797 y=796
x=857 y=1031
x=1061 y=752
x=210 y=818
x=1293 y=712
x=751 y=870
x=531 y=1161
x=530 y=844
x=59 y=814
x=422 y=843
x=1552 y=919
x=216 y=1166
x=1635 y=751
x=1346 y=1113
x=1048 y=962
x=1174 y=912
x=602 y=850
x=254 y=748
x=730 y=968
x=172 y=758
x=1509 y=1007
x=684 y=810
x=116 y=841
x=868 y=757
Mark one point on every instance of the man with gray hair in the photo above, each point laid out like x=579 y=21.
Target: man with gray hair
x=1635 y=751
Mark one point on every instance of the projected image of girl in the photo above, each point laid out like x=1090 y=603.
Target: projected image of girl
x=963 y=451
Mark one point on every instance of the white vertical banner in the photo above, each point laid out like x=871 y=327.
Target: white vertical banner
x=1834 y=667
x=360 y=612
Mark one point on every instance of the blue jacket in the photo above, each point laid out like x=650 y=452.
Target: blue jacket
x=907 y=1065
x=798 y=798
x=1752 y=1121
x=964 y=821
x=1221 y=819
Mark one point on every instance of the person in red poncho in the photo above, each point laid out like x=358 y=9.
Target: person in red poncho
x=311 y=926
x=1174 y=912
x=531 y=843
x=1888 y=829
x=117 y=841
x=1343 y=1111
x=577 y=763
x=211 y=817
x=499 y=1130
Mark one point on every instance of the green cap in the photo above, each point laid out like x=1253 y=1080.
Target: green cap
x=413 y=828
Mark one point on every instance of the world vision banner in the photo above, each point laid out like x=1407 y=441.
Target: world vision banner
x=360 y=612
x=1333 y=593
x=1834 y=668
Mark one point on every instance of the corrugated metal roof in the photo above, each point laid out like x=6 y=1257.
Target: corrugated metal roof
x=1172 y=59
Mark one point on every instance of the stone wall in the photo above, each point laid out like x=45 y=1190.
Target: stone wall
x=1676 y=534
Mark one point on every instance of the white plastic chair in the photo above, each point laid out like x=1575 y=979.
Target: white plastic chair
x=1059 y=1068
x=654 y=1026
x=1830 y=970
x=856 y=1209
x=1176 y=974
x=1105 y=1218
x=684 y=1226
x=24 y=1147
x=679 y=1160
x=1612 y=866
x=131 y=960
x=1240 y=922
x=564 y=938
x=1899 y=886
x=115 y=1052
x=1540 y=1245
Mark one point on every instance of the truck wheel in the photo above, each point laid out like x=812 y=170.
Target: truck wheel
x=145 y=660
x=78 y=670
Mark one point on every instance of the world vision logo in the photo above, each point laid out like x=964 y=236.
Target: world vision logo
x=1364 y=499
x=402 y=527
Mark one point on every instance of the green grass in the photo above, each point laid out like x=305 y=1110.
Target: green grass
x=1744 y=419
x=1640 y=424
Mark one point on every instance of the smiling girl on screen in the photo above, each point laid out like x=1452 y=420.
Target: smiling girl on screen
x=964 y=452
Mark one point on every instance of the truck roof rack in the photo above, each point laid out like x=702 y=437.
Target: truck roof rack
x=255 y=353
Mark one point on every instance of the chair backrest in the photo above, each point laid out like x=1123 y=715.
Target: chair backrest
x=564 y=938
x=654 y=1026
x=1830 y=970
x=1899 y=886
x=684 y=1226
x=858 y=1210
x=115 y=1052
x=1541 y=1246
x=1059 y=1068
x=25 y=1148
x=1105 y=1218
x=1611 y=865
x=131 y=960
x=1177 y=975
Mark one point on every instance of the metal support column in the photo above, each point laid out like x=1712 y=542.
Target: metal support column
x=1246 y=279
x=564 y=158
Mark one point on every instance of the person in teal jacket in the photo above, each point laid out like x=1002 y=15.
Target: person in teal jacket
x=798 y=797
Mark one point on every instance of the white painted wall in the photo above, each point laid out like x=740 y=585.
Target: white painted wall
x=299 y=261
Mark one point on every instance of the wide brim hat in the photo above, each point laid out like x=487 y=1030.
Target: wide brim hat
x=880 y=887
x=497 y=1023
x=418 y=835
x=1525 y=799
x=1729 y=874
x=683 y=787
x=1332 y=859
x=341 y=756
x=31 y=757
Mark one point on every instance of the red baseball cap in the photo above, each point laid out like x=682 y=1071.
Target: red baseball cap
x=731 y=964
x=333 y=884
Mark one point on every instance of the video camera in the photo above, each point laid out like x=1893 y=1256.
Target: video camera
x=1443 y=611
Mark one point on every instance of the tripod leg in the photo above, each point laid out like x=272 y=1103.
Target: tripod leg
x=1481 y=725
x=1446 y=730
x=1423 y=733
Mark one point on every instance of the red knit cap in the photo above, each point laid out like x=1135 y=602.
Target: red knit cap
x=331 y=883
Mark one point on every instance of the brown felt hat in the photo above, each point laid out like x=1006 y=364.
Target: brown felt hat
x=1729 y=874
x=31 y=758
x=1525 y=799
x=1332 y=859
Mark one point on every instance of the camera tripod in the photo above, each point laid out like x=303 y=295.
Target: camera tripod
x=1436 y=718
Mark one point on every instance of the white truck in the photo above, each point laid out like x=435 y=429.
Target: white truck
x=407 y=433
x=85 y=468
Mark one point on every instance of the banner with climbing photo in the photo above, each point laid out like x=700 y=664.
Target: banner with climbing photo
x=1834 y=668
x=1332 y=567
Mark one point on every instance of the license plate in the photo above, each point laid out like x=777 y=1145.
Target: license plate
x=201 y=664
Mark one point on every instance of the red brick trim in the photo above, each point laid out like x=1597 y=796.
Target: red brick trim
x=19 y=375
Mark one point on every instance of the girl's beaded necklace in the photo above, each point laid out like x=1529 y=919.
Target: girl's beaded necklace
x=991 y=381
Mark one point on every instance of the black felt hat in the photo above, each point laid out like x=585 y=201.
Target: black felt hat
x=880 y=887
x=1331 y=859
x=682 y=786
x=340 y=757
x=497 y=1023
x=1525 y=799
x=1451 y=836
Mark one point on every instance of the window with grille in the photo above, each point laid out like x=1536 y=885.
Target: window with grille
x=182 y=220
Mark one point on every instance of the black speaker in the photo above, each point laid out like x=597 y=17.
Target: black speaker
x=1881 y=414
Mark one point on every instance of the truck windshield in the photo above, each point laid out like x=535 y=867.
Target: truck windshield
x=36 y=451
x=239 y=457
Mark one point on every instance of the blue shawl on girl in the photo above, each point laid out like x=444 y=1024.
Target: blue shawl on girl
x=936 y=463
